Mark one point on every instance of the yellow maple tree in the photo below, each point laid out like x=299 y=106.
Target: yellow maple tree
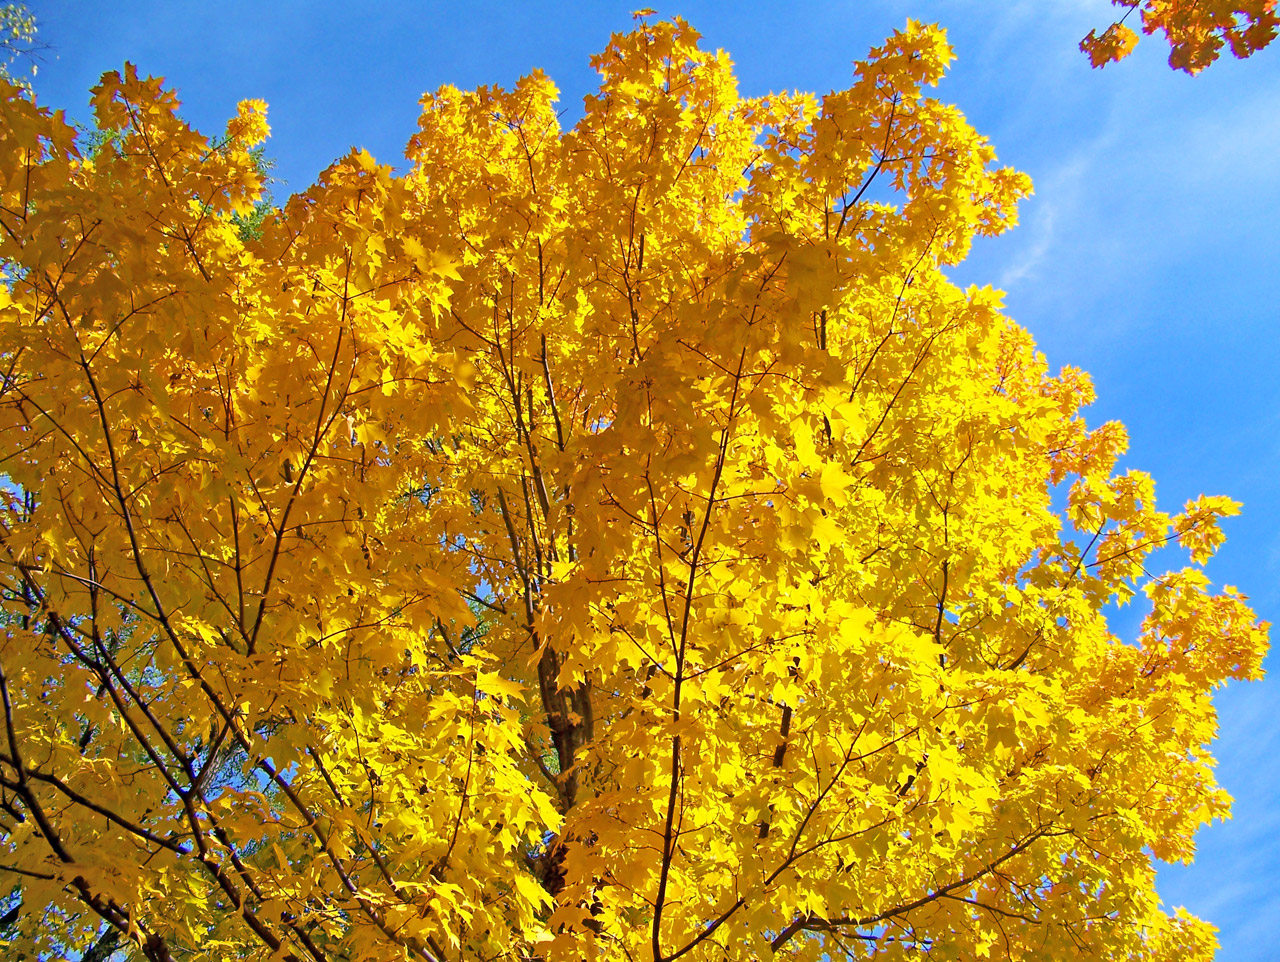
x=620 y=543
x=1197 y=30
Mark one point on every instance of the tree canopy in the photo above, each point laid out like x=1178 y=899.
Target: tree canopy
x=620 y=542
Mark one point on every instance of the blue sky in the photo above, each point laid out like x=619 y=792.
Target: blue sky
x=1148 y=255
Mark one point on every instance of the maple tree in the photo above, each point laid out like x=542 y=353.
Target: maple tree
x=621 y=542
x=1197 y=30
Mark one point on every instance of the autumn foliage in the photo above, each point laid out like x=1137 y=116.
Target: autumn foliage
x=1197 y=30
x=620 y=543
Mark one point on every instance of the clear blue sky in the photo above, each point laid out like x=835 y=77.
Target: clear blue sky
x=1150 y=254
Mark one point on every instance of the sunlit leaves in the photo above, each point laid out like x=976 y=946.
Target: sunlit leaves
x=1197 y=30
x=621 y=542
